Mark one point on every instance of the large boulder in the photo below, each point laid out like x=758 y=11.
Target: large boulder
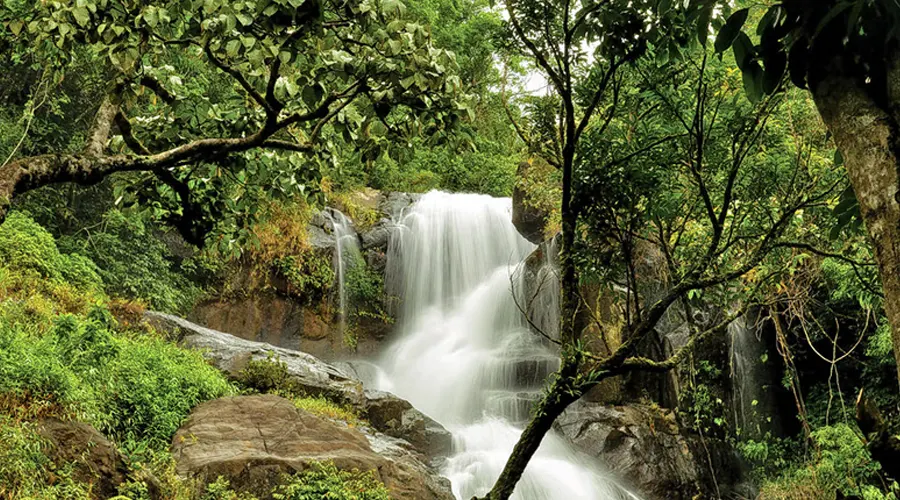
x=396 y=417
x=96 y=460
x=231 y=355
x=647 y=448
x=253 y=440
x=386 y=412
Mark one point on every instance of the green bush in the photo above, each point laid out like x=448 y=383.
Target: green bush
x=841 y=465
x=134 y=263
x=26 y=472
x=325 y=480
x=26 y=246
x=271 y=375
x=309 y=275
x=131 y=388
x=266 y=375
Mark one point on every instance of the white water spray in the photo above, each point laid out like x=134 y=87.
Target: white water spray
x=346 y=256
x=465 y=356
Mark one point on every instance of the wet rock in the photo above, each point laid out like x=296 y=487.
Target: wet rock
x=394 y=202
x=97 y=461
x=231 y=354
x=319 y=238
x=396 y=417
x=387 y=413
x=529 y=221
x=378 y=236
x=253 y=440
x=648 y=449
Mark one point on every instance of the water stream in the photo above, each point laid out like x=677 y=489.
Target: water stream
x=464 y=354
x=346 y=255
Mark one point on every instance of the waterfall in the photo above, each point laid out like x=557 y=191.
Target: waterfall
x=752 y=382
x=346 y=256
x=465 y=355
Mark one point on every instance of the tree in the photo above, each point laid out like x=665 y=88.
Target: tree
x=847 y=54
x=655 y=150
x=216 y=102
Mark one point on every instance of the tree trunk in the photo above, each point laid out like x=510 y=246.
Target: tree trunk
x=558 y=398
x=863 y=119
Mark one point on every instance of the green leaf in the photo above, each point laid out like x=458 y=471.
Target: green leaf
x=731 y=29
x=232 y=48
x=81 y=15
x=753 y=81
x=703 y=24
x=768 y=19
x=663 y=6
x=743 y=50
x=838 y=158
x=15 y=27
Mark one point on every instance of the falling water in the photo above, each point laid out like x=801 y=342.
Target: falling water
x=346 y=256
x=751 y=381
x=465 y=355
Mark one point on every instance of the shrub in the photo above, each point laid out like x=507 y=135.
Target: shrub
x=266 y=375
x=26 y=246
x=134 y=263
x=842 y=465
x=133 y=389
x=309 y=274
x=26 y=472
x=271 y=375
x=325 y=480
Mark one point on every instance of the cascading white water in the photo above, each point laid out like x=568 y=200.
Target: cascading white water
x=752 y=382
x=346 y=255
x=465 y=356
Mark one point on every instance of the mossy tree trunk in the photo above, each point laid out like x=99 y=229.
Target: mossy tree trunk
x=864 y=118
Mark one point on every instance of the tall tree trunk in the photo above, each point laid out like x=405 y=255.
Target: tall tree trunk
x=561 y=394
x=864 y=119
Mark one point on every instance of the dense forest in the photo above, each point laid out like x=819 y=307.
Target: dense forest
x=438 y=249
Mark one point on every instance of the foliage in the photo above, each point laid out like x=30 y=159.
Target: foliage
x=27 y=246
x=132 y=388
x=324 y=407
x=285 y=83
x=134 y=262
x=320 y=481
x=309 y=276
x=796 y=38
x=700 y=404
x=325 y=480
x=271 y=375
x=220 y=489
x=840 y=465
x=266 y=375
x=26 y=472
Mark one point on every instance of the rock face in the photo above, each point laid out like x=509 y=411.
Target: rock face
x=252 y=440
x=396 y=417
x=646 y=447
x=271 y=314
x=529 y=221
x=231 y=354
x=97 y=460
x=387 y=413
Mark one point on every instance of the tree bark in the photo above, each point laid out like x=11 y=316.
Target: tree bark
x=562 y=393
x=866 y=129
